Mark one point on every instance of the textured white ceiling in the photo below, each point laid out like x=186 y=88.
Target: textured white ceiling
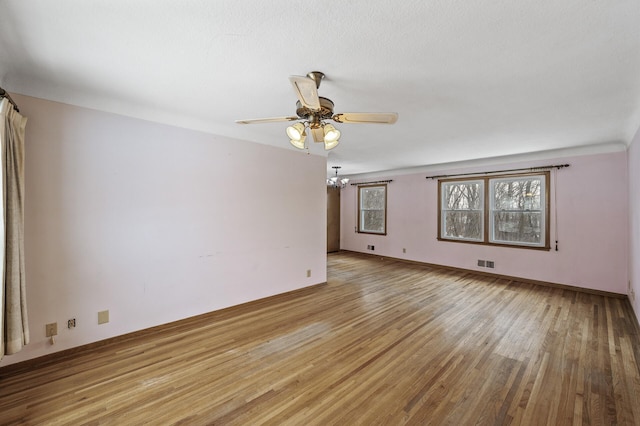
x=468 y=79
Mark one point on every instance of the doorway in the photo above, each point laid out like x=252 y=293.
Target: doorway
x=333 y=219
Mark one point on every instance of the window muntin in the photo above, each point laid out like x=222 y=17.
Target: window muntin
x=462 y=210
x=517 y=211
x=372 y=209
x=498 y=210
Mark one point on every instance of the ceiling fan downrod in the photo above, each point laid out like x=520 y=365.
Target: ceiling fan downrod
x=317 y=77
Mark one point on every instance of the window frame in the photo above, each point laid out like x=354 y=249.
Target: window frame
x=384 y=210
x=487 y=212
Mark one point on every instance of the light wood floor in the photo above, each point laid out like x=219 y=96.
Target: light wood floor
x=383 y=342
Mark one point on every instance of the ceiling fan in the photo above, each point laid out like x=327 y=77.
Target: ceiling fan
x=313 y=111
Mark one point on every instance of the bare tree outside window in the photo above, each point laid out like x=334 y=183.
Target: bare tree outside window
x=499 y=210
x=462 y=210
x=516 y=210
x=372 y=209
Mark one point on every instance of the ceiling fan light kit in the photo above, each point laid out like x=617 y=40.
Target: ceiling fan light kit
x=313 y=110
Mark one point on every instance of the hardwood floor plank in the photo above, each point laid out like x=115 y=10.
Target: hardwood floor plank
x=383 y=342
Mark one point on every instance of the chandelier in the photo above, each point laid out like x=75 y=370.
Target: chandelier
x=336 y=181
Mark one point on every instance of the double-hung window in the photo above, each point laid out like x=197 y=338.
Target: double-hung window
x=372 y=209
x=461 y=212
x=499 y=210
x=517 y=211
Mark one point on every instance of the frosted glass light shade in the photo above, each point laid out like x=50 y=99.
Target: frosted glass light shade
x=296 y=132
x=330 y=145
x=331 y=134
x=297 y=144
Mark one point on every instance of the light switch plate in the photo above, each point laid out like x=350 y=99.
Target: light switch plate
x=103 y=317
x=51 y=329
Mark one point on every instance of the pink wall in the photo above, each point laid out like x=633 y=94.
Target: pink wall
x=592 y=212
x=634 y=223
x=157 y=223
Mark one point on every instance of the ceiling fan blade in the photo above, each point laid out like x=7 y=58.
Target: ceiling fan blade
x=306 y=91
x=366 y=117
x=267 y=120
x=318 y=134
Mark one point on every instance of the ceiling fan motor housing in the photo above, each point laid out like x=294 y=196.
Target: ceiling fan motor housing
x=315 y=116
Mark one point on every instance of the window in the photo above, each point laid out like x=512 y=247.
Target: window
x=372 y=209
x=501 y=210
x=516 y=211
x=462 y=217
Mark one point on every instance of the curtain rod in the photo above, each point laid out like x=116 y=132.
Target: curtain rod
x=368 y=183
x=532 y=169
x=4 y=94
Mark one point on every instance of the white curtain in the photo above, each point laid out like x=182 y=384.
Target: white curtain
x=14 y=327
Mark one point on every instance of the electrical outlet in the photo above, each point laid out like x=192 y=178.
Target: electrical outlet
x=404 y=250
x=51 y=329
x=490 y=264
x=71 y=323
x=481 y=262
x=308 y=273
